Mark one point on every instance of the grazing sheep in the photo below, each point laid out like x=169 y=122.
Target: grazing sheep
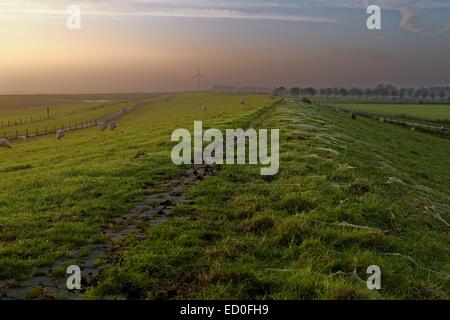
x=112 y=125
x=353 y=115
x=413 y=129
x=243 y=102
x=4 y=143
x=204 y=108
x=59 y=134
x=102 y=126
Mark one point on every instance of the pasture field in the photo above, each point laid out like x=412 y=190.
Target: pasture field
x=26 y=105
x=349 y=194
x=432 y=112
x=56 y=194
x=68 y=115
x=17 y=118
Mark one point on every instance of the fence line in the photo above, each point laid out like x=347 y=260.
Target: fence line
x=433 y=128
x=71 y=127
x=48 y=116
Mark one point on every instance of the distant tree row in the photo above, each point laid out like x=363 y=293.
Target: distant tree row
x=379 y=92
x=295 y=92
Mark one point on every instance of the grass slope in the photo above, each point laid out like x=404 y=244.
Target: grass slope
x=55 y=195
x=244 y=236
x=249 y=237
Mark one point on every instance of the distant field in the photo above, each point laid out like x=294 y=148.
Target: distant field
x=419 y=111
x=21 y=114
x=13 y=103
x=65 y=116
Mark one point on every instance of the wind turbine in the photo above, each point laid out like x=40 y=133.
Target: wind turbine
x=198 y=76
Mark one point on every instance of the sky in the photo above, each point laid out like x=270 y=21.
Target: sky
x=156 y=45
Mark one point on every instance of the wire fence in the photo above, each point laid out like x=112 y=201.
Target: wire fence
x=49 y=115
x=421 y=126
x=28 y=133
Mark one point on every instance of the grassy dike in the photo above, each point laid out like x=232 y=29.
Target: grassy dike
x=55 y=195
x=349 y=194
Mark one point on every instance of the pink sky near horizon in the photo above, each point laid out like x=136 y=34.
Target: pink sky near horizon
x=158 y=53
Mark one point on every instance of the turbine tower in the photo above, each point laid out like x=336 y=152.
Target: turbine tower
x=198 y=76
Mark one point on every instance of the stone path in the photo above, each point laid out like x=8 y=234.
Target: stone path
x=94 y=258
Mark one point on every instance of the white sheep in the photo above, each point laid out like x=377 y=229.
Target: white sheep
x=59 y=134
x=243 y=102
x=112 y=125
x=4 y=143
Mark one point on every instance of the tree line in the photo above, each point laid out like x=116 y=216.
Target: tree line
x=380 y=92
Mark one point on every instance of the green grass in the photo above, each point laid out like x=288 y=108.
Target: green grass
x=244 y=236
x=439 y=113
x=251 y=237
x=55 y=195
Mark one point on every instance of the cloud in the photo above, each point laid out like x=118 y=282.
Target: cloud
x=275 y=10
x=154 y=8
x=409 y=19
x=209 y=14
x=445 y=28
x=237 y=4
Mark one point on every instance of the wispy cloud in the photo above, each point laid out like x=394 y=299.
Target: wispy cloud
x=409 y=19
x=445 y=28
x=155 y=8
x=275 y=10
x=235 y=4
x=212 y=14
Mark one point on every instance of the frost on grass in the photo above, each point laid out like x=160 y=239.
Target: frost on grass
x=329 y=150
x=393 y=180
x=309 y=127
x=436 y=212
x=418 y=187
x=312 y=156
x=346 y=166
x=345 y=224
